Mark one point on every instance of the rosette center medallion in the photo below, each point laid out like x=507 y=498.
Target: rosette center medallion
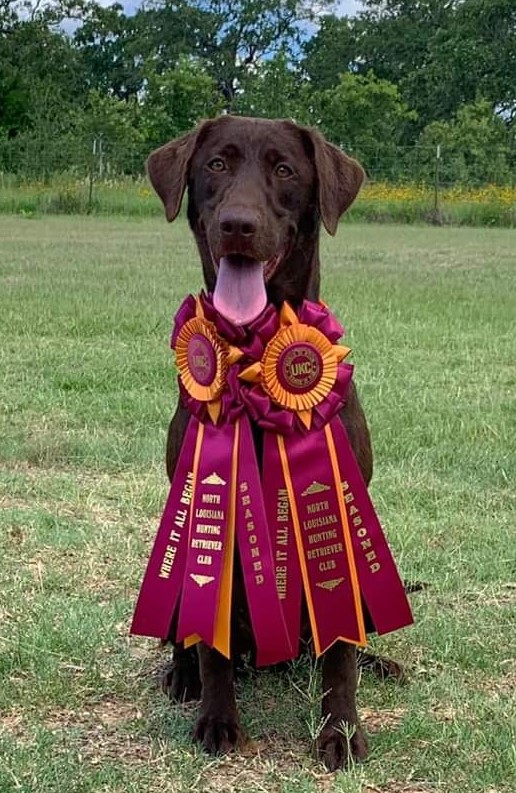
x=202 y=359
x=300 y=367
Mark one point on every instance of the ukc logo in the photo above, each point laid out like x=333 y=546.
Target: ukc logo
x=202 y=361
x=300 y=367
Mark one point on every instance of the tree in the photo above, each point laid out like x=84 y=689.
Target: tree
x=476 y=56
x=475 y=147
x=272 y=90
x=176 y=100
x=332 y=51
x=111 y=127
x=443 y=54
x=41 y=85
x=109 y=52
x=35 y=62
x=364 y=115
x=119 y=51
x=231 y=38
x=248 y=32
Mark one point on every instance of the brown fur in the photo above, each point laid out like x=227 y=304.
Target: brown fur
x=277 y=182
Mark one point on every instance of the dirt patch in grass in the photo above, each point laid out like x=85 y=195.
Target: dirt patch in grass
x=401 y=787
x=108 y=713
x=376 y=720
x=107 y=729
x=503 y=595
x=264 y=765
x=100 y=515
x=11 y=723
x=499 y=688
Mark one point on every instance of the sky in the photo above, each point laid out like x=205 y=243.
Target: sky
x=348 y=7
x=342 y=7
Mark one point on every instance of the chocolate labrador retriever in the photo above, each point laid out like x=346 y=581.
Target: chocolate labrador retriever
x=258 y=191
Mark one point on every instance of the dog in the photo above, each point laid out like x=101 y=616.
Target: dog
x=258 y=192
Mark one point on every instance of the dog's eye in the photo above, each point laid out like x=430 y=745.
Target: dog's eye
x=217 y=165
x=283 y=171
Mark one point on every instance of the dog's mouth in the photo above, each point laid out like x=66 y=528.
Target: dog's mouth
x=240 y=294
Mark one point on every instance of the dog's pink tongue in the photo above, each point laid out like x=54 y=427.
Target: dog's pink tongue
x=240 y=290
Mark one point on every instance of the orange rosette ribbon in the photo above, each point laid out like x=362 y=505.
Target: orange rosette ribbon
x=299 y=366
x=203 y=359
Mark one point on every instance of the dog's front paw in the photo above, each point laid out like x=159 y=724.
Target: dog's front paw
x=339 y=746
x=180 y=680
x=219 y=733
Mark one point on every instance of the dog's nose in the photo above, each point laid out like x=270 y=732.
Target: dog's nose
x=238 y=222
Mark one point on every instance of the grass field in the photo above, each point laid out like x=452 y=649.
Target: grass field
x=86 y=391
x=381 y=202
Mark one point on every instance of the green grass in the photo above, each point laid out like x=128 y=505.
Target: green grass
x=65 y=194
x=491 y=213
x=86 y=392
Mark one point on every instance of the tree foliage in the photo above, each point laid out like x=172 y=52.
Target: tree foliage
x=410 y=73
x=476 y=146
x=176 y=99
x=363 y=114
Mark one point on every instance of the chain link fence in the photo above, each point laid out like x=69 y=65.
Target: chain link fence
x=100 y=173
x=30 y=157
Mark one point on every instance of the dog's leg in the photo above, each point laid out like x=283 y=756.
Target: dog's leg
x=180 y=678
x=341 y=740
x=218 y=727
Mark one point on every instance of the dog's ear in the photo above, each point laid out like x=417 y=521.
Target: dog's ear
x=167 y=168
x=339 y=180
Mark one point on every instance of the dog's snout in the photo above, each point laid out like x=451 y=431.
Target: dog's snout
x=238 y=222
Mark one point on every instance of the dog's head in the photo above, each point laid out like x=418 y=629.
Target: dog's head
x=257 y=191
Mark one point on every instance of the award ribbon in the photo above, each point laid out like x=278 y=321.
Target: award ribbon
x=306 y=524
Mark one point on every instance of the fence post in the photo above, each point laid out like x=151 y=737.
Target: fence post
x=91 y=176
x=436 y=180
x=101 y=156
